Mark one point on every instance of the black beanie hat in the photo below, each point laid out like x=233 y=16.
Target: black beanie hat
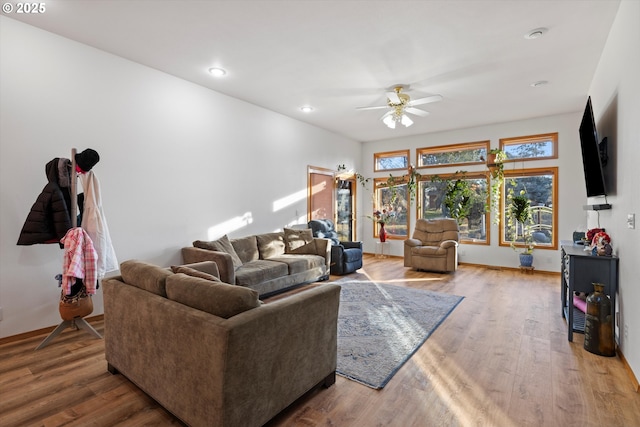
x=87 y=159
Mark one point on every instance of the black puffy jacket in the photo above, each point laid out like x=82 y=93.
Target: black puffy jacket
x=49 y=218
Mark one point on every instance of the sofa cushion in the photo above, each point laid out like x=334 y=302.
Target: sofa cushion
x=220 y=299
x=352 y=255
x=145 y=276
x=296 y=239
x=259 y=271
x=246 y=248
x=432 y=232
x=223 y=244
x=194 y=273
x=430 y=251
x=300 y=263
x=270 y=244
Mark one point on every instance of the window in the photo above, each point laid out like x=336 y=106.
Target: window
x=392 y=160
x=535 y=147
x=540 y=186
x=462 y=196
x=453 y=155
x=391 y=196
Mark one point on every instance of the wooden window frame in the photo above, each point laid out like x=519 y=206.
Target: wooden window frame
x=468 y=175
x=554 y=203
x=386 y=154
x=381 y=183
x=449 y=148
x=529 y=139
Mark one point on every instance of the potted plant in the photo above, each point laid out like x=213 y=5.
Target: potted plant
x=495 y=159
x=520 y=217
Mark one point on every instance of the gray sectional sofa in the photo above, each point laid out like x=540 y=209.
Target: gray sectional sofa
x=211 y=353
x=268 y=263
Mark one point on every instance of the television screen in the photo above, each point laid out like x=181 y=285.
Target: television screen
x=593 y=173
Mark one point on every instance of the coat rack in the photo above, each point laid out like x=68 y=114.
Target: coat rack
x=78 y=322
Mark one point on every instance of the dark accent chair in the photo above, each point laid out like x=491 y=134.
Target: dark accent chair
x=346 y=257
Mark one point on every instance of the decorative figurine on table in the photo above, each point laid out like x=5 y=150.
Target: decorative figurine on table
x=601 y=244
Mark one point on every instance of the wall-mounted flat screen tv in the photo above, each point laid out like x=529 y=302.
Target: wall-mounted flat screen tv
x=591 y=161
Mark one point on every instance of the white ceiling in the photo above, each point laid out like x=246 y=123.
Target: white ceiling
x=343 y=54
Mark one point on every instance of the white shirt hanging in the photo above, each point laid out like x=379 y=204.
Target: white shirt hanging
x=95 y=224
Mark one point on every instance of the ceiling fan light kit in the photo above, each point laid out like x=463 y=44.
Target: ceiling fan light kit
x=399 y=105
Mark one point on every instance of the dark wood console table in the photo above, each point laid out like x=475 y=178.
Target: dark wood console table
x=579 y=270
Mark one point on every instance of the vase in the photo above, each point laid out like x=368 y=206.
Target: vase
x=382 y=233
x=598 y=323
x=526 y=260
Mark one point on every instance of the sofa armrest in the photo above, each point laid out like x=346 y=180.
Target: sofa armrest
x=448 y=244
x=409 y=244
x=323 y=248
x=192 y=255
x=352 y=245
x=209 y=267
x=412 y=243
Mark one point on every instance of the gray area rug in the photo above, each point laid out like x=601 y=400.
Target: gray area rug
x=380 y=327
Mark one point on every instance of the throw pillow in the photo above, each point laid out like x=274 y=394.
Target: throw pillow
x=220 y=299
x=299 y=241
x=294 y=238
x=270 y=245
x=194 y=273
x=223 y=244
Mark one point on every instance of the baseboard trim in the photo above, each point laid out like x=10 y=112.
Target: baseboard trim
x=502 y=268
x=634 y=380
x=42 y=331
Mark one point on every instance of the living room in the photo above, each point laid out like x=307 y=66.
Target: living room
x=180 y=162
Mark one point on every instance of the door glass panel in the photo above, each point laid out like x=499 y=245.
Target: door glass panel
x=345 y=214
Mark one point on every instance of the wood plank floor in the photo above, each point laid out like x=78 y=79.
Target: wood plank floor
x=500 y=359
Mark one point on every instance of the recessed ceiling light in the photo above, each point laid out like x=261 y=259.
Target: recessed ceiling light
x=217 y=72
x=539 y=83
x=535 y=33
x=306 y=109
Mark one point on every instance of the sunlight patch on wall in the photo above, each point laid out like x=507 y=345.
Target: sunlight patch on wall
x=228 y=226
x=289 y=200
x=301 y=220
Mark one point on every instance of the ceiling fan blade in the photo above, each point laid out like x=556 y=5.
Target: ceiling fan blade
x=393 y=97
x=427 y=100
x=416 y=111
x=372 y=108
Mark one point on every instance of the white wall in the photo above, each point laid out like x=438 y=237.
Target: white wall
x=572 y=193
x=615 y=93
x=178 y=162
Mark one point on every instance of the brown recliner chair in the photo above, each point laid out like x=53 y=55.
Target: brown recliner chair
x=434 y=246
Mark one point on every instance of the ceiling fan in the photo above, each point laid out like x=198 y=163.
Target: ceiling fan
x=399 y=104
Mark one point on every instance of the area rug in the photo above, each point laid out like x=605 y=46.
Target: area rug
x=380 y=326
